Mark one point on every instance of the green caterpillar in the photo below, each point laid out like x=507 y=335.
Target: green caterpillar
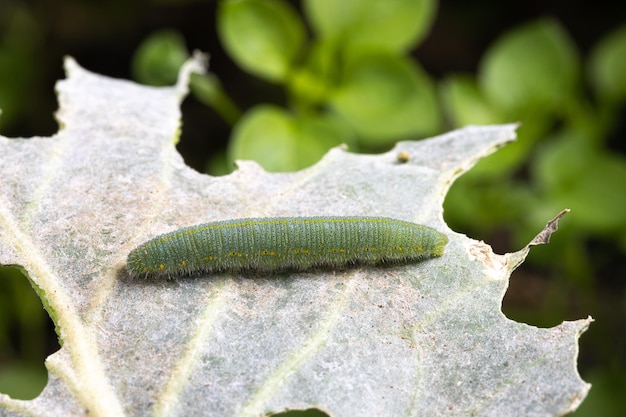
x=277 y=243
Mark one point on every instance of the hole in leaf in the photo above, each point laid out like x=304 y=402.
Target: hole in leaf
x=27 y=337
x=310 y=412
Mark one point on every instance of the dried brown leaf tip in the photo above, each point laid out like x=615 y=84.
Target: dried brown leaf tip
x=544 y=236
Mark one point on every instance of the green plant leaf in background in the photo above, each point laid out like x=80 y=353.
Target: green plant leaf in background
x=608 y=66
x=533 y=68
x=390 y=25
x=311 y=83
x=385 y=97
x=569 y=170
x=282 y=142
x=383 y=341
x=465 y=103
x=208 y=89
x=158 y=59
x=265 y=37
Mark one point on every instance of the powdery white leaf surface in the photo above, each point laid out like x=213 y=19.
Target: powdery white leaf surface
x=421 y=339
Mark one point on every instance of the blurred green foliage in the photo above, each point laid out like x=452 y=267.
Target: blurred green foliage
x=360 y=87
x=347 y=85
x=347 y=74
